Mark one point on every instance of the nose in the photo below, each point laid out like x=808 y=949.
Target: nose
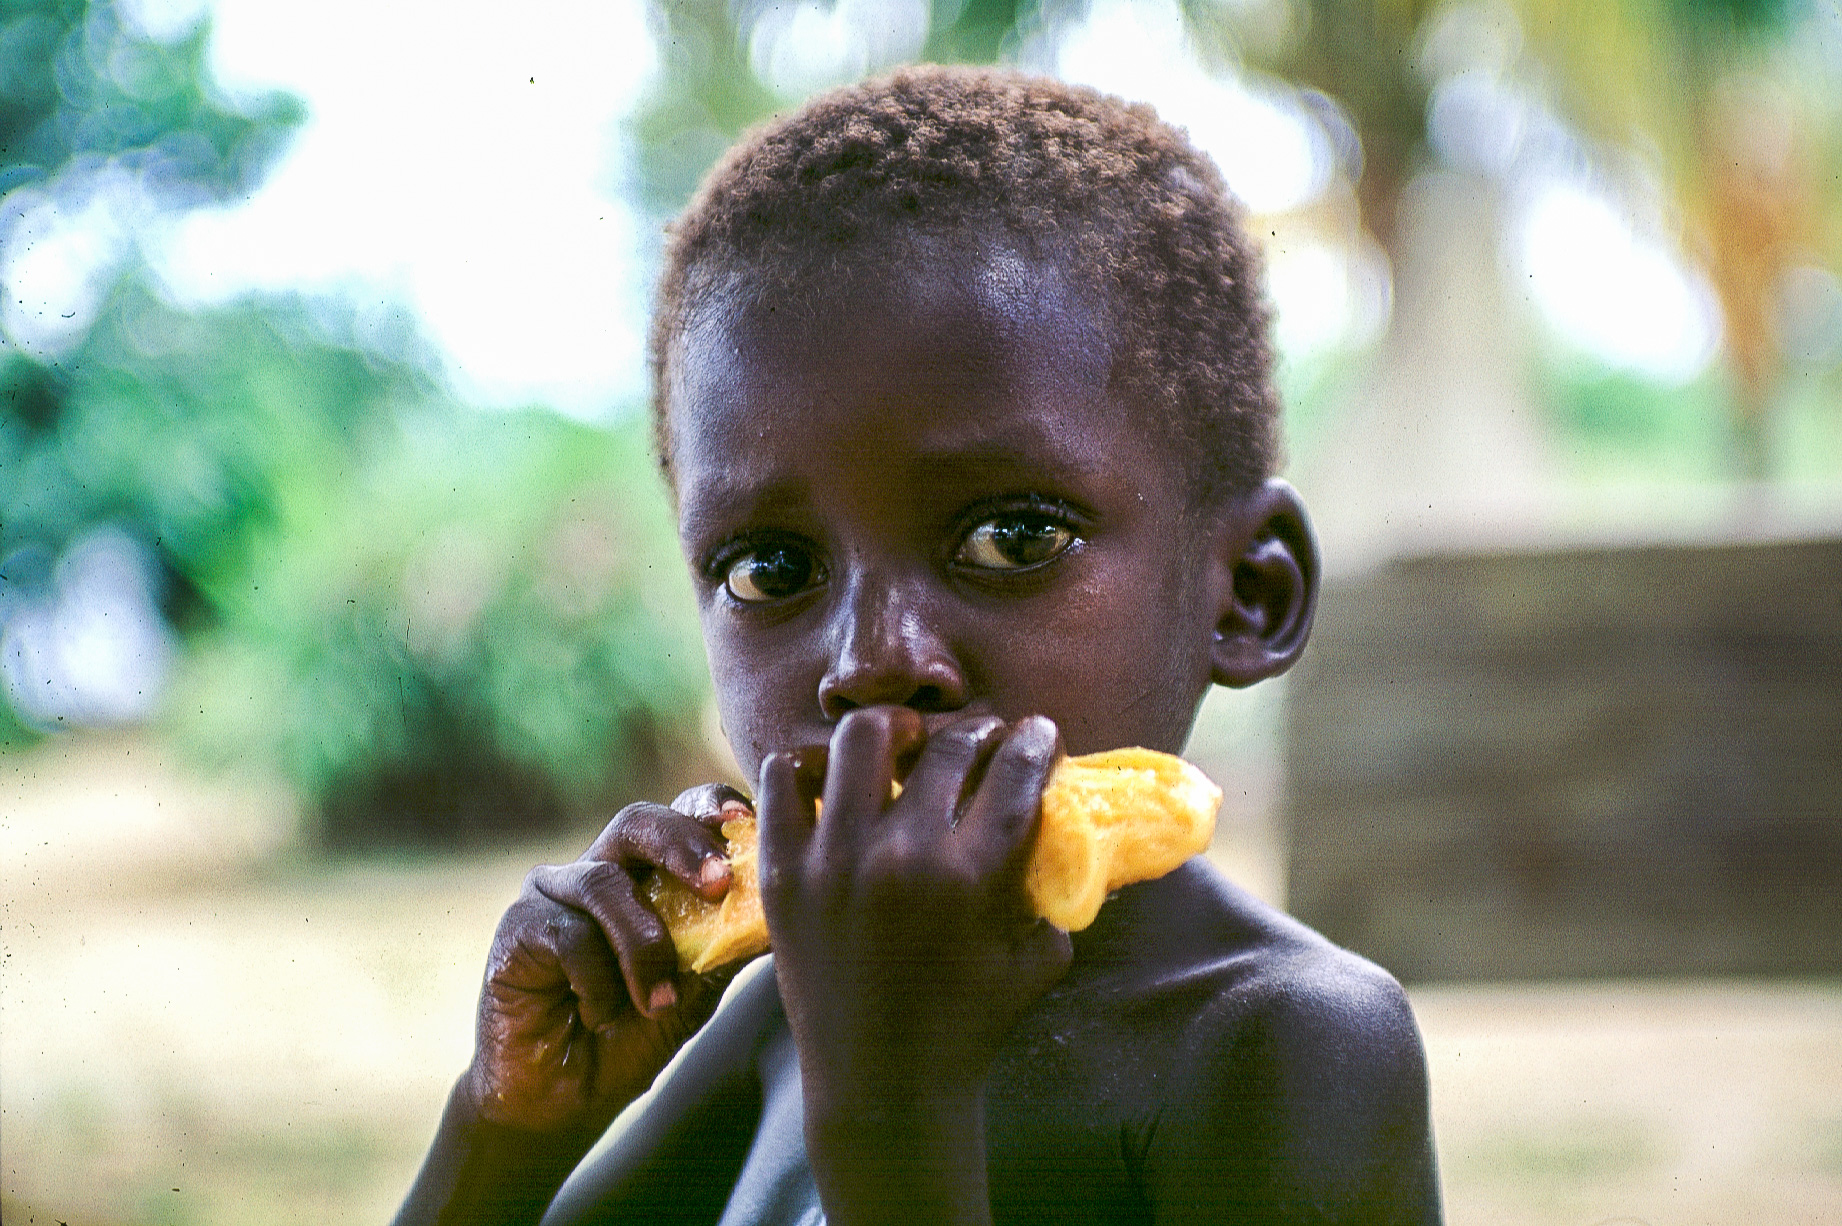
x=886 y=649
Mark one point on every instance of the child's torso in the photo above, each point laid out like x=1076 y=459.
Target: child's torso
x=1072 y=1103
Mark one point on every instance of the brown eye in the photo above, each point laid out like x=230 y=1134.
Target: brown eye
x=1014 y=542
x=773 y=572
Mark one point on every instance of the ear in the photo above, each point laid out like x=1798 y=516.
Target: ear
x=1266 y=581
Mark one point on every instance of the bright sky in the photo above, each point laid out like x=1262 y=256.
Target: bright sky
x=460 y=159
x=1612 y=290
x=1271 y=152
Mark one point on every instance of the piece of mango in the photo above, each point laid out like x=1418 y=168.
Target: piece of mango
x=1108 y=819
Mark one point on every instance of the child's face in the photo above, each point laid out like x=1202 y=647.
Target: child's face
x=915 y=488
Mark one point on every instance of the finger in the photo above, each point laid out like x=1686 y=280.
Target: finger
x=786 y=817
x=864 y=748
x=551 y=950
x=699 y=996
x=651 y=835
x=1001 y=817
x=950 y=765
x=1045 y=952
x=712 y=803
x=523 y=956
x=605 y=892
x=589 y=963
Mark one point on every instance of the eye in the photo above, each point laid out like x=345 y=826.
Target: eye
x=772 y=572
x=1014 y=541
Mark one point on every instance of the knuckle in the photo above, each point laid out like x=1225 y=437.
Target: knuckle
x=968 y=735
x=897 y=858
x=525 y=912
x=773 y=880
x=633 y=812
x=953 y=879
x=706 y=800
x=562 y=929
x=599 y=877
x=637 y=824
x=621 y=825
x=548 y=885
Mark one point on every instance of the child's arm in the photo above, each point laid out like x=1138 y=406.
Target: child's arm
x=905 y=951
x=562 y=1039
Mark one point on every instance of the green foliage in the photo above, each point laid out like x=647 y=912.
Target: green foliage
x=705 y=95
x=1738 y=16
x=441 y=623
x=485 y=626
x=184 y=426
x=77 y=83
x=437 y=621
x=153 y=421
x=1616 y=426
x=976 y=31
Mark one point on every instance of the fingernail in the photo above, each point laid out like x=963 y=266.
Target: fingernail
x=664 y=996
x=735 y=808
x=715 y=871
x=1038 y=733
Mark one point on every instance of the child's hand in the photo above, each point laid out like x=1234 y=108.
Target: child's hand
x=904 y=946
x=582 y=1004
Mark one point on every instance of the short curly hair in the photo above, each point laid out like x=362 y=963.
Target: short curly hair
x=1126 y=204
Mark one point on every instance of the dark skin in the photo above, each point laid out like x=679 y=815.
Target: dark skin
x=929 y=544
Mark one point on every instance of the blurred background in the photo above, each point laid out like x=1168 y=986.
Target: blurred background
x=337 y=587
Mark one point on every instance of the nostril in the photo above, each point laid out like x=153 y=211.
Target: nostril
x=886 y=651
x=835 y=702
x=928 y=698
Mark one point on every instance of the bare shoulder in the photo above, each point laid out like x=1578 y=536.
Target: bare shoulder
x=1227 y=958
x=1290 y=1081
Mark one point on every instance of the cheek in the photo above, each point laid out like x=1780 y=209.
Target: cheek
x=1124 y=663
x=734 y=702
x=760 y=693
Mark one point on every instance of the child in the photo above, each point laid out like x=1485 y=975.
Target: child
x=963 y=392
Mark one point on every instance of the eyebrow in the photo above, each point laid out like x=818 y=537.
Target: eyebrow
x=719 y=504
x=993 y=462
x=947 y=462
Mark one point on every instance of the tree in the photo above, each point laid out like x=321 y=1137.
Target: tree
x=1743 y=136
x=444 y=625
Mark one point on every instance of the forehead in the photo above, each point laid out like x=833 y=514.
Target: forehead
x=933 y=351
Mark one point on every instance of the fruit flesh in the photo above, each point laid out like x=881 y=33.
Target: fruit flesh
x=1108 y=819
x=713 y=934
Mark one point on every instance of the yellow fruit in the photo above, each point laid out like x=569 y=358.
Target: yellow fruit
x=1109 y=819
x=712 y=934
